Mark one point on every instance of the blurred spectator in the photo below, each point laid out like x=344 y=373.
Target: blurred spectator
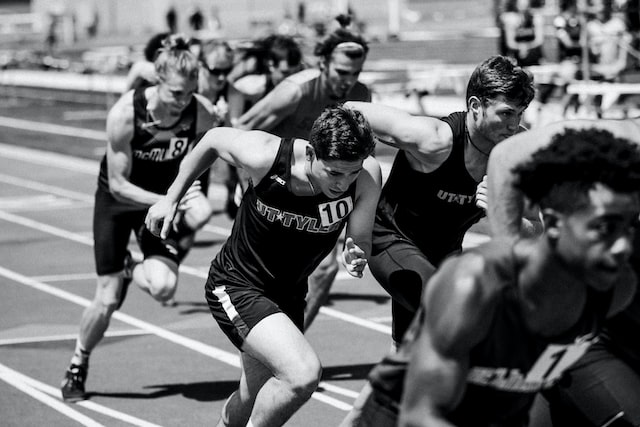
x=196 y=20
x=609 y=42
x=172 y=20
x=216 y=62
x=568 y=31
x=143 y=73
x=523 y=32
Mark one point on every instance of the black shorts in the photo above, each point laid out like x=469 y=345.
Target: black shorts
x=113 y=222
x=238 y=307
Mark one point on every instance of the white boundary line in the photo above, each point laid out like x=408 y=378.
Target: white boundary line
x=50 y=393
x=207 y=350
x=14 y=379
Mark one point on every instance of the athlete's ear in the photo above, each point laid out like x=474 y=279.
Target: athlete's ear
x=552 y=220
x=474 y=104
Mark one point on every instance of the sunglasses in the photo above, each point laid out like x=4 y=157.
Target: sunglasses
x=219 y=72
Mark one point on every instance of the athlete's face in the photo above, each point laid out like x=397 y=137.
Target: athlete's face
x=496 y=119
x=216 y=68
x=341 y=73
x=333 y=177
x=597 y=239
x=282 y=70
x=176 y=91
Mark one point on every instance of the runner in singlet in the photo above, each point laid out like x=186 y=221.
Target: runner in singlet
x=605 y=384
x=430 y=198
x=149 y=131
x=300 y=197
x=505 y=320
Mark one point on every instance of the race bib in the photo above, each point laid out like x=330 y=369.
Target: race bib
x=335 y=211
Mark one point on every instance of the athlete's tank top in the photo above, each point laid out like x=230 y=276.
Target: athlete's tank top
x=433 y=210
x=279 y=238
x=314 y=100
x=510 y=364
x=156 y=152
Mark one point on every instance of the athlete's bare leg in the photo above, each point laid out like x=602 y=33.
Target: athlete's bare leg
x=158 y=276
x=280 y=372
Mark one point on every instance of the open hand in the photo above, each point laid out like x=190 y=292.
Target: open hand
x=353 y=258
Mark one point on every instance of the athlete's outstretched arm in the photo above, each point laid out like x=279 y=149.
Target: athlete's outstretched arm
x=455 y=315
x=505 y=202
x=252 y=151
x=420 y=135
x=360 y=223
x=272 y=109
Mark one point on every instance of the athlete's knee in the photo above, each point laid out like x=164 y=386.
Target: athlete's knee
x=198 y=213
x=304 y=377
x=107 y=295
x=163 y=288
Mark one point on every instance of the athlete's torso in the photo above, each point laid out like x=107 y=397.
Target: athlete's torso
x=279 y=238
x=511 y=364
x=156 y=152
x=433 y=210
x=314 y=100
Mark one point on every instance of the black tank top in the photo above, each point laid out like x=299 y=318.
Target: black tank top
x=156 y=152
x=511 y=364
x=433 y=210
x=279 y=238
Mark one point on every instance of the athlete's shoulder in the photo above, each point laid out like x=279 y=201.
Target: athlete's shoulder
x=360 y=92
x=303 y=77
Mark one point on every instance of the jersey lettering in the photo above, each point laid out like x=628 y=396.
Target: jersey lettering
x=547 y=369
x=294 y=220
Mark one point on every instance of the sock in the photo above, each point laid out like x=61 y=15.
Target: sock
x=249 y=424
x=80 y=355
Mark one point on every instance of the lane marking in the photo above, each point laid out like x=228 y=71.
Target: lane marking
x=14 y=379
x=32 y=126
x=207 y=350
x=66 y=337
x=47 y=390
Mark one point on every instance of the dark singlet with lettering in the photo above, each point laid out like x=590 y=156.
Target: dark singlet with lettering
x=156 y=152
x=511 y=364
x=279 y=238
x=433 y=210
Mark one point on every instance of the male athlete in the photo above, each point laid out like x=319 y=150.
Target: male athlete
x=149 y=131
x=301 y=196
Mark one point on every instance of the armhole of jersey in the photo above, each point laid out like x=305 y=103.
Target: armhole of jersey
x=283 y=156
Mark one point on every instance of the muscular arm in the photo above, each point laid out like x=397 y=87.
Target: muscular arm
x=426 y=138
x=272 y=109
x=119 y=155
x=457 y=314
x=252 y=151
x=505 y=202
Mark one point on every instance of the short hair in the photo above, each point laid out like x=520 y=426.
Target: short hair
x=501 y=76
x=346 y=41
x=175 y=57
x=281 y=47
x=341 y=133
x=153 y=45
x=210 y=46
x=560 y=175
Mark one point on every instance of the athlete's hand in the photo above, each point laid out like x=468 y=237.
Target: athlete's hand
x=160 y=217
x=353 y=258
x=481 y=194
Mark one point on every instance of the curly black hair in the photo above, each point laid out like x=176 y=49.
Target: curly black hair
x=560 y=175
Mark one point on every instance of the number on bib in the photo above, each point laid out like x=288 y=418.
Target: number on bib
x=334 y=211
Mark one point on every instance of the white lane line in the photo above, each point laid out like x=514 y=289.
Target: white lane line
x=14 y=379
x=64 y=277
x=33 y=126
x=52 y=391
x=46 y=188
x=356 y=320
x=67 y=337
x=207 y=350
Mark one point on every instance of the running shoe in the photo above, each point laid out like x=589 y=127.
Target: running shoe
x=73 y=384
